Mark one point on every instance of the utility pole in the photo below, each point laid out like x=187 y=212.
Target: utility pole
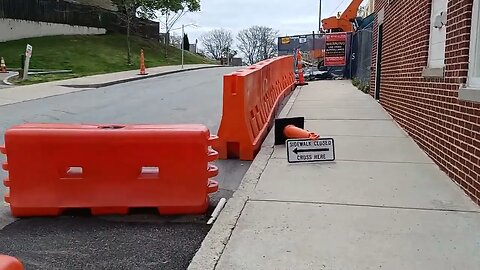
x=228 y=57
x=320 y=16
x=183 y=35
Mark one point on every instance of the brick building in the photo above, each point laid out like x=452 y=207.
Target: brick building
x=426 y=73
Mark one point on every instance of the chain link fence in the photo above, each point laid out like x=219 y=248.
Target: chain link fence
x=312 y=48
x=362 y=58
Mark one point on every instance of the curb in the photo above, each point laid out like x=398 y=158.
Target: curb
x=6 y=82
x=5 y=217
x=217 y=238
x=140 y=77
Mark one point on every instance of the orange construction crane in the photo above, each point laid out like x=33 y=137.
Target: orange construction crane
x=343 y=23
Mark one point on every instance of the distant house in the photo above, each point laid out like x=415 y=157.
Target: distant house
x=193 y=48
x=235 y=61
x=426 y=73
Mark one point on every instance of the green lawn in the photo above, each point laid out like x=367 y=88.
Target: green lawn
x=89 y=55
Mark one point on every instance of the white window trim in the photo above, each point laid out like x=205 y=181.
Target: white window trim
x=430 y=71
x=471 y=91
x=474 y=63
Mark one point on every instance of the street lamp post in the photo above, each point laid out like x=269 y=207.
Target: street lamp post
x=183 y=34
x=320 y=16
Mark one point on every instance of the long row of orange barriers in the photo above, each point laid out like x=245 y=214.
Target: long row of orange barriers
x=251 y=97
x=108 y=169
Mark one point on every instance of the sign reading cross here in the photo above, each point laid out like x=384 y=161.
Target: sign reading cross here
x=307 y=150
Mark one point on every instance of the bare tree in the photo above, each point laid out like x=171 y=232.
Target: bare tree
x=218 y=43
x=258 y=43
x=248 y=44
x=129 y=10
x=175 y=40
x=268 y=43
x=173 y=10
x=232 y=55
x=127 y=14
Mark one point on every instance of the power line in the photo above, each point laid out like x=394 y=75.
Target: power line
x=337 y=7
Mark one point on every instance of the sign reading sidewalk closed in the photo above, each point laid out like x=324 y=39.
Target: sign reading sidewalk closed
x=335 y=49
x=306 y=150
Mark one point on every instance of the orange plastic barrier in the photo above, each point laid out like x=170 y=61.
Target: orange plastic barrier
x=250 y=100
x=109 y=169
x=10 y=263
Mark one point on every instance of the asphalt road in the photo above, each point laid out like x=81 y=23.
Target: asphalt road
x=140 y=240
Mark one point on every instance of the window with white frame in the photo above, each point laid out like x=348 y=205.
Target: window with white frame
x=471 y=91
x=438 y=34
x=474 y=58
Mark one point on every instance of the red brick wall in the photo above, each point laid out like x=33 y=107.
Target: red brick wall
x=428 y=108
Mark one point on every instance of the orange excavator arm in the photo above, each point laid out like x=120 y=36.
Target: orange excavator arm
x=344 y=23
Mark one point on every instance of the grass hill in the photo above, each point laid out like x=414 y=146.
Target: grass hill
x=89 y=55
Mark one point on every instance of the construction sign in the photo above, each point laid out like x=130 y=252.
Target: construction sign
x=335 y=44
x=28 y=55
x=28 y=51
x=285 y=40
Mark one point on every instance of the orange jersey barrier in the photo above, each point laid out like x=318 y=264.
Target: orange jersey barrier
x=10 y=263
x=109 y=169
x=250 y=100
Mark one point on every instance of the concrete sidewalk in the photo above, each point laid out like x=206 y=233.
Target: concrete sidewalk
x=383 y=204
x=17 y=94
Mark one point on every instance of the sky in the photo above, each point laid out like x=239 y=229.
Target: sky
x=287 y=16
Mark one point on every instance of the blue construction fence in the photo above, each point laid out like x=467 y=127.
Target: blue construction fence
x=358 y=51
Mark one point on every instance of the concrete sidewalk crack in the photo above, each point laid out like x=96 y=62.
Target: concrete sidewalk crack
x=368 y=136
x=390 y=162
x=373 y=161
x=347 y=119
x=369 y=206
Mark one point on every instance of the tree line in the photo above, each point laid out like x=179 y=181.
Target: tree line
x=171 y=10
x=257 y=43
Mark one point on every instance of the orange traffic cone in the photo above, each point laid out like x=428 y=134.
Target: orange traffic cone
x=142 y=64
x=292 y=128
x=3 y=67
x=293 y=132
x=301 y=78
